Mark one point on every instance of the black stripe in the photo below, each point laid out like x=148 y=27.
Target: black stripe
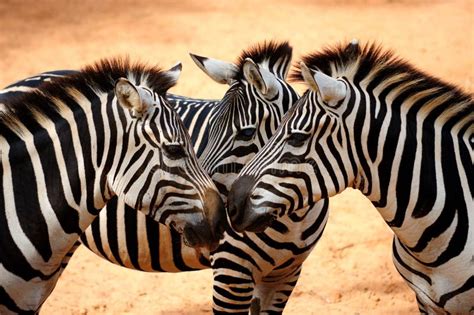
x=152 y=229
x=112 y=227
x=95 y=227
x=68 y=217
x=27 y=206
x=131 y=238
x=10 y=304
x=468 y=285
x=407 y=267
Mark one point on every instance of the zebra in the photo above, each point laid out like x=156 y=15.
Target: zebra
x=235 y=124
x=71 y=145
x=371 y=121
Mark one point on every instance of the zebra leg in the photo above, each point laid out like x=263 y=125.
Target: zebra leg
x=232 y=294
x=274 y=291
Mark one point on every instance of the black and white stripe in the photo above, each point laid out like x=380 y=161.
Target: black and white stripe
x=226 y=134
x=404 y=138
x=68 y=147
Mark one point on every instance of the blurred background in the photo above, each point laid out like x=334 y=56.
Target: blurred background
x=350 y=271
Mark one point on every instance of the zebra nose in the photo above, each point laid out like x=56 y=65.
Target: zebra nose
x=240 y=210
x=214 y=210
x=207 y=231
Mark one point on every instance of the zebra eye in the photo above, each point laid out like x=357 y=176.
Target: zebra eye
x=246 y=134
x=174 y=151
x=297 y=139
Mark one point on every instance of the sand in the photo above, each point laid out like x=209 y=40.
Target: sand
x=350 y=271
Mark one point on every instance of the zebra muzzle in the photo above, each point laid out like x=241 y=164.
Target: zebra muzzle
x=242 y=213
x=199 y=236
x=207 y=231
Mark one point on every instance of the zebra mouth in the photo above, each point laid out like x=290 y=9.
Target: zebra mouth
x=188 y=236
x=177 y=228
x=195 y=238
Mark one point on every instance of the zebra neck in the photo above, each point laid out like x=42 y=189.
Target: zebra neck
x=51 y=186
x=412 y=171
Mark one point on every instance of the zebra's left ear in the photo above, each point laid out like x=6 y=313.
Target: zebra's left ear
x=174 y=72
x=332 y=91
x=131 y=97
x=261 y=78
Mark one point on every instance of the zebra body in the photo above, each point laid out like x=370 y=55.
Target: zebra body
x=135 y=233
x=264 y=266
x=405 y=139
x=70 y=146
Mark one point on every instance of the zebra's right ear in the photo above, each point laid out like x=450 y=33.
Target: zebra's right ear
x=261 y=78
x=220 y=71
x=331 y=90
x=129 y=97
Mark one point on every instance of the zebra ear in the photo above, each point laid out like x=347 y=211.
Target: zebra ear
x=261 y=78
x=220 y=71
x=130 y=97
x=174 y=72
x=352 y=49
x=331 y=90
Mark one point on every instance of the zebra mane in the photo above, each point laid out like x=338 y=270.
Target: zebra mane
x=276 y=56
x=99 y=77
x=357 y=62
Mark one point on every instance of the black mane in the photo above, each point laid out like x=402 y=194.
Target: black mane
x=99 y=77
x=271 y=51
x=356 y=62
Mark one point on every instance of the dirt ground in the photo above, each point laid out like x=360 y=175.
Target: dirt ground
x=350 y=271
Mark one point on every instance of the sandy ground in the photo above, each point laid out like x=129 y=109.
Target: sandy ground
x=350 y=271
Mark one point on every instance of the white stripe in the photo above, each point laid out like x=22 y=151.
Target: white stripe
x=17 y=89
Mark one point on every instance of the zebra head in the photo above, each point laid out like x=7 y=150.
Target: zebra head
x=250 y=111
x=157 y=171
x=308 y=158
